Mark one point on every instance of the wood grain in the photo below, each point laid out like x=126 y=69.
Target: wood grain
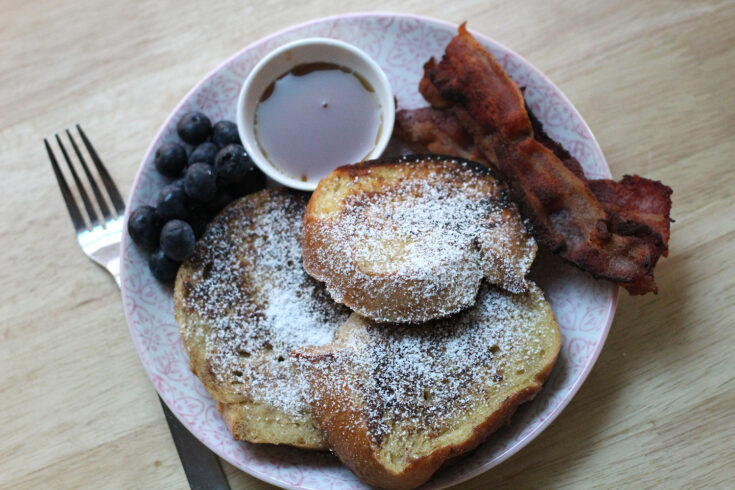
x=653 y=79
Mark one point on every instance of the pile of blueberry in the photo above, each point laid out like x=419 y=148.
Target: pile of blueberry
x=215 y=172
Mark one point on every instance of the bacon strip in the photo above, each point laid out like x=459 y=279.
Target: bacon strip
x=630 y=205
x=614 y=230
x=561 y=153
x=428 y=130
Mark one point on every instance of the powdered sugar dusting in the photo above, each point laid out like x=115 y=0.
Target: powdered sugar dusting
x=423 y=379
x=252 y=299
x=435 y=233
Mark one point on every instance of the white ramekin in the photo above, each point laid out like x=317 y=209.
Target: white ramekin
x=283 y=59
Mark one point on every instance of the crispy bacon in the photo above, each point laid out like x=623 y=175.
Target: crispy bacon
x=561 y=153
x=630 y=205
x=428 y=130
x=634 y=205
x=615 y=230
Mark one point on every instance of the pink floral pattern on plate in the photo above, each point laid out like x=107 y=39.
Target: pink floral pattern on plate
x=400 y=44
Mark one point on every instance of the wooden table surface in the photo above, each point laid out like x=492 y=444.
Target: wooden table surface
x=654 y=80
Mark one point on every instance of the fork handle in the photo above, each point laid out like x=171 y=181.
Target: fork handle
x=202 y=467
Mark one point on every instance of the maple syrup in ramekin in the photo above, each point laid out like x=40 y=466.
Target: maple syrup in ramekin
x=316 y=117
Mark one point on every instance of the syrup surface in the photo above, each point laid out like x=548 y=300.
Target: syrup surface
x=315 y=118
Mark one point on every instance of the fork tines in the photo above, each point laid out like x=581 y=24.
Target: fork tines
x=113 y=194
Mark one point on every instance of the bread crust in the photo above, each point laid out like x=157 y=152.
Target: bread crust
x=236 y=345
x=356 y=450
x=340 y=410
x=388 y=286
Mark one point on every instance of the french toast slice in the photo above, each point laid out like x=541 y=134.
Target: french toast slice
x=409 y=239
x=396 y=402
x=243 y=303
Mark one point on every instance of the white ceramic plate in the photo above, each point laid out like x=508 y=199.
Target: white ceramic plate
x=400 y=44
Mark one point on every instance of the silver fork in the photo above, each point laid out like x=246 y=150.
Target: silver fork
x=100 y=241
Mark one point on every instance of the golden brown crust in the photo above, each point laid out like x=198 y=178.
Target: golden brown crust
x=341 y=411
x=355 y=449
x=239 y=328
x=409 y=239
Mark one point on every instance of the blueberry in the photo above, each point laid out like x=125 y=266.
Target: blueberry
x=222 y=199
x=144 y=226
x=200 y=182
x=163 y=268
x=177 y=240
x=204 y=153
x=225 y=133
x=233 y=165
x=178 y=183
x=199 y=220
x=172 y=202
x=194 y=128
x=254 y=182
x=170 y=159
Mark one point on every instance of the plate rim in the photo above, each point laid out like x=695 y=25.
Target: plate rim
x=611 y=307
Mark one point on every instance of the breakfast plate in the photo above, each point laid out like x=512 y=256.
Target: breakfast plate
x=400 y=44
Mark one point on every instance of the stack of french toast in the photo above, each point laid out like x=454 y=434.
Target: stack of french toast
x=387 y=317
